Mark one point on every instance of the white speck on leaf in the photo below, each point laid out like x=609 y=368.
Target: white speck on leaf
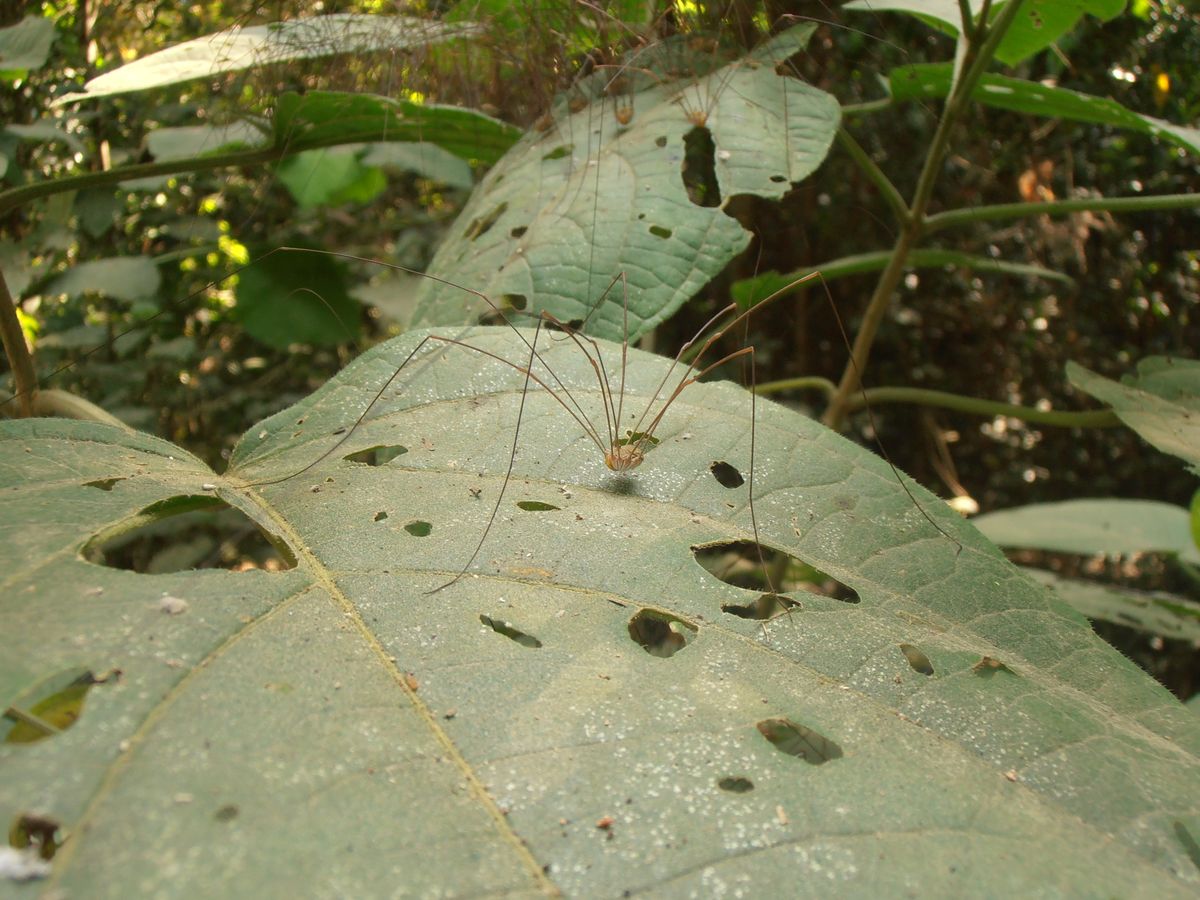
x=172 y=606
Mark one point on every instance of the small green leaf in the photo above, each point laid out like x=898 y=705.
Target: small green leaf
x=200 y=140
x=1111 y=526
x=332 y=176
x=424 y=159
x=26 y=45
x=296 y=298
x=125 y=277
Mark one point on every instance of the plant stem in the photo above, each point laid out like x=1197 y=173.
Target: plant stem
x=956 y=217
x=1094 y=418
x=890 y=195
x=976 y=61
x=15 y=197
x=16 y=350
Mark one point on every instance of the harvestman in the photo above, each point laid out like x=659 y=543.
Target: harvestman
x=622 y=453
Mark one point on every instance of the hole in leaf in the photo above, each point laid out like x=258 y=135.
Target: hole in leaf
x=481 y=226
x=379 y=455
x=800 y=741
x=516 y=302
x=37 y=831
x=227 y=813
x=501 y=627
x=188 y=531
x=699 y=170
x=659 y=633
x=767 y=606
x=660 y=232
x=381 y=515
x=989 y=666
x=736 y=784
x=103 y=484
x=918 y=660
x=738 y=563
x=535 y=506
x=558 y=152
x=418 y=528
x=726 y=475
x=660 y=141
x=1190 y=845
x=778 y=179
x=49 y=707
x=519 y=231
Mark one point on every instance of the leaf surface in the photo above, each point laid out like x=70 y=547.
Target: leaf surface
x=569 y=208
x=339 y=728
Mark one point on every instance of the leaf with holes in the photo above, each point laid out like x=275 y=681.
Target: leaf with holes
x=589 y=709
x=590 y=195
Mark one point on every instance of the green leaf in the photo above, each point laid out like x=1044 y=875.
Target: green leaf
x=26 y=45
x=1161 y=613
x=425 y=160
x=588 y=195
x=1111 y=526
x=1161 y=403
x=1038 y=25
x=278 y=719
x=296 y=298
x=325 y=118
x=243 y=47
x=928 y=81
x=124 y=277
x=330 y=176
x=201 y=140
x=46 y=131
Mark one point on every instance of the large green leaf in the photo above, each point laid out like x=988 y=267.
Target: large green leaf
x=339 y=729
x=243 y=47
x=933 y=80
x=1038 y=24
x=591 y=196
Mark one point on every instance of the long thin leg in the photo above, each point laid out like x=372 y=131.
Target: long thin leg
x=512 y=458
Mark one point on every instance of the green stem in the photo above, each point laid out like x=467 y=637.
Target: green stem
x=976 y=62
x=15 y=348
x=1097 y=418
x=850 y=110
x=1000 y=211
x=890 y=195
x=15 y=197
x=1094 y=418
